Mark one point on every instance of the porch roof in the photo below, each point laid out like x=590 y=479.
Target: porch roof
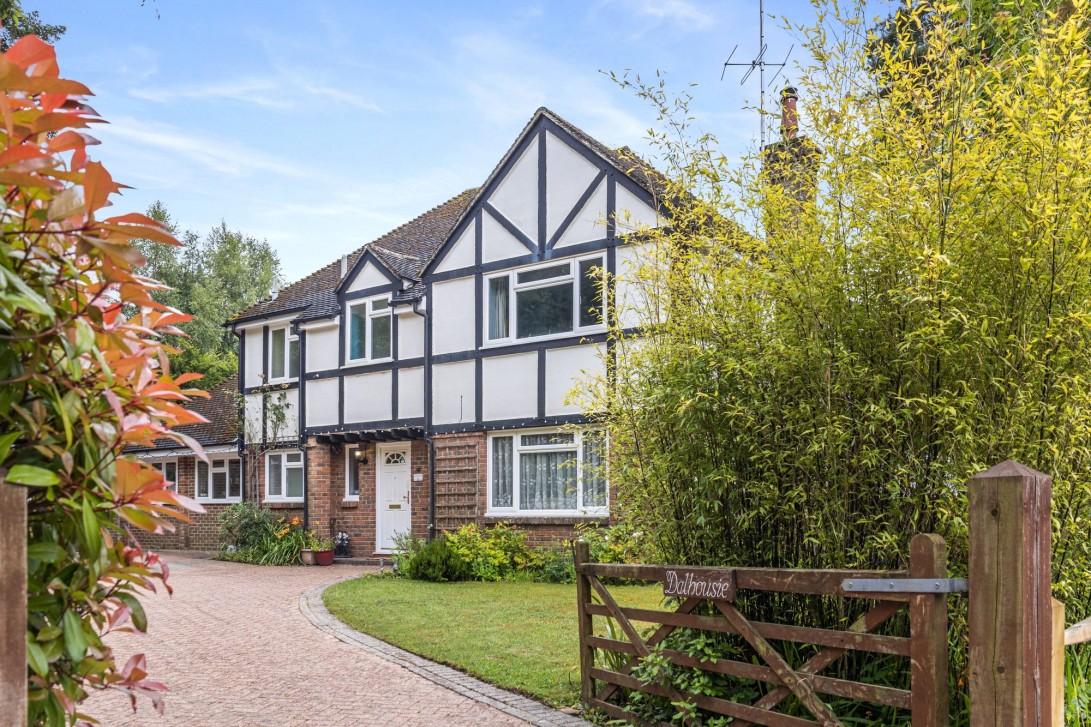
x=373 y=435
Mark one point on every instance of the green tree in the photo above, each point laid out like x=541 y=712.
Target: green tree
x=79 y=381
x=817 y=378
x=211 y=279
x=818 y=375
x=17 y=23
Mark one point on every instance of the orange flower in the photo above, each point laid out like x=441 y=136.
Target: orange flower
x=296 y=521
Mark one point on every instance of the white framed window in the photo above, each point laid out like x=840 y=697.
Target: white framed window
x=283 y=354
x=355 y=458
x=369 y=330
x=545 y=300
x=169 y=469
x=284 y=476
x=219 y=480
x=547 y=472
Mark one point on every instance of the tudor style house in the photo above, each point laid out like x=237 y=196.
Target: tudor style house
x=421 y=381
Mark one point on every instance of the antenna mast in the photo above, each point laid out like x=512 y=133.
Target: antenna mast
x=760 y=64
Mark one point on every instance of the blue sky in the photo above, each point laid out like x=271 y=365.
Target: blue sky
x=321 y=125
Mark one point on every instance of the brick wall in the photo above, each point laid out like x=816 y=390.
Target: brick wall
x=467 y=453
x=202 y=534
x=330 y=509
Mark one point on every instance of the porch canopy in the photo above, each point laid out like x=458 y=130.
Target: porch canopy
x=372 y=435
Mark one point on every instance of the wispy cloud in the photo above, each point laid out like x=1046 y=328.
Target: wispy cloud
x=506 y=81
x=679 y=12
x=259 y=91
x=222 y=156
x=282 y=92
x=637 y=18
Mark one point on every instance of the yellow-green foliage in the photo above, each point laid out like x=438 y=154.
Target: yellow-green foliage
x=824 y=375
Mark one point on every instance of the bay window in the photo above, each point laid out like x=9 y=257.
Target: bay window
x=284 y=476
x=369 y=330
x=545 y=300
x=219 y=480
x=283 y=354
x=548 y=472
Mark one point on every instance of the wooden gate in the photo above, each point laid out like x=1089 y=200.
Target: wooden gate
x=925 y=648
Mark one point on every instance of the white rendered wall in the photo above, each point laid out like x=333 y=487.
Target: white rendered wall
x=510 y=387
x=411 y=393
x=253 y=417
x=322 y=402
x=367 y=397
x=290 y=428
x=453 y=393
x=564 y=368
x=630 y=299
x=632 y=213
x=516 y=196
x=463 y=253
x=253 y=363
x=453 y=321
x=568 y=174
x=410 y=335
x=590 y=224
x=322 y=348
x=368 y=277
x=496 y=242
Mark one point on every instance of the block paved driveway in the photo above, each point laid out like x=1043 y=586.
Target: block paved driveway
x=234 y=649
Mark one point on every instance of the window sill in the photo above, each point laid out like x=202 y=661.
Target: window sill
x=209 y=501
x=283 y=504
x=578 y=333
x=528 y=519
x=348 y=504
x=353 y=363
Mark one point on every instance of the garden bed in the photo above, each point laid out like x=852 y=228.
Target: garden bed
x=518 y=636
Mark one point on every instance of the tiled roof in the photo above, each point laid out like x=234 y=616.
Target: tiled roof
x=404 y=250
x=220 y=411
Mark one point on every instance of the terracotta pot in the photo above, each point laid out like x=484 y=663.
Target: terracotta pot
x=308 y=556
x=323 y=557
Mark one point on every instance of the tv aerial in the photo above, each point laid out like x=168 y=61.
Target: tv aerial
x=758 y=64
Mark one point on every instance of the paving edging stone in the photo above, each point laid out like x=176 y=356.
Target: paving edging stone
x=516 y=705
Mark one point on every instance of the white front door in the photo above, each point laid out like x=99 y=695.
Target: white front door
x=392 y=514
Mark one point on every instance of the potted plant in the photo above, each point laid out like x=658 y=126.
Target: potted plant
x=310 y=543
x=323 y=551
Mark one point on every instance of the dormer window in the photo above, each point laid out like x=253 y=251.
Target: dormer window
x=369 y=330
x=283 y=354
x=545 y=300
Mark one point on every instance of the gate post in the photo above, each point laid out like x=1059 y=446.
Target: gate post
x=1011 y=608
x=13 y=604
x=928 y=635
x=582 y=554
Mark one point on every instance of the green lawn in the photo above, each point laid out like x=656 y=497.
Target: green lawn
x=519 y=636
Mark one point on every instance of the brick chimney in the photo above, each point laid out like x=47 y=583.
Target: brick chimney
x=789 y=118
x=792 y=162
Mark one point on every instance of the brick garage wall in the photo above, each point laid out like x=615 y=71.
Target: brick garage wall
x=200 y=535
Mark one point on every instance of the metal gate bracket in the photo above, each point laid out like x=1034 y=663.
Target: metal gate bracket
x=905 y=585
